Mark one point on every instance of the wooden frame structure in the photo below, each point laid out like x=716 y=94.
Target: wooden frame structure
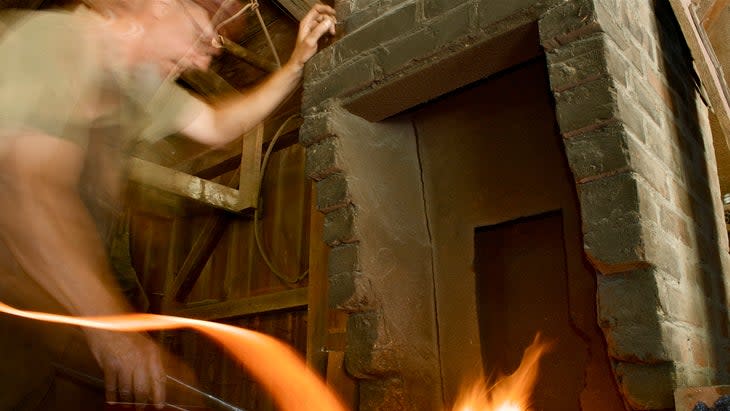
x=190 y=179
x=706 y=63
x=297 y=8
x=206 y=191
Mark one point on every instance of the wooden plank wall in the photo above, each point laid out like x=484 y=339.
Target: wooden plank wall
x=291 y=227
x=235 y=270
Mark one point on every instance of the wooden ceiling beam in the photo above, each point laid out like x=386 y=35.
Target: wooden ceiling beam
x=175 y=182
x=249 y=56
x=296 y=8
x=208 y=84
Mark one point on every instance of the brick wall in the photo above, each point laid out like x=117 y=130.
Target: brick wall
x=388 y=39
x=379 y=265
x=637 y=139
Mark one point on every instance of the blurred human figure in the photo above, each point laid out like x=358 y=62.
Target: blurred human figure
x=77 y=91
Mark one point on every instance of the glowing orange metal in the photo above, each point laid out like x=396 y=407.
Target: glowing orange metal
x=278 y=367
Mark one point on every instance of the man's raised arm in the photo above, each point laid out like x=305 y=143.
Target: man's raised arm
x=228 y=121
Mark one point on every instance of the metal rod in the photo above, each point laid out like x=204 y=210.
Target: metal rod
x=167 y=405
x=213 y=401
x=220 y=404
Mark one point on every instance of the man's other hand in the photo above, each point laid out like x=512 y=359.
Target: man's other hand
x=132 y=365
x=319 y=21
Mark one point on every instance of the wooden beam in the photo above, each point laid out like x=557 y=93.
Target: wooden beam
x=250 y=166
x=709 y=18
x=283 y=300
x=198 y=257
x=203 y=190
x=249 y=56
x=186 y=185
x=318 y=309
x=297 y=8
x=208 y=84
x=706 y=63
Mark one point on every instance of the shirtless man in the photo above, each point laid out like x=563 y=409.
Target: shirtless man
x=69 y=79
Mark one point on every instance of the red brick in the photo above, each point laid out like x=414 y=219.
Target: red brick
x=332 y=193
x=322 y=159
x=344 y=81
x=676 y=226
x=339 y=226
x=586 y=105
x=370 y=36
x=567 y=23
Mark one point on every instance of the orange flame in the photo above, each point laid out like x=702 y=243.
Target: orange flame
x=278 y=367
x=511 y=393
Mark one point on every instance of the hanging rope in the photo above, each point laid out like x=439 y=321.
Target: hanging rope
x=220 y=40
x=266 y=33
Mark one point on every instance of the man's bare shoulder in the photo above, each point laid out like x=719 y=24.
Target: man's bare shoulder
x=46 y=26
x=49 y=74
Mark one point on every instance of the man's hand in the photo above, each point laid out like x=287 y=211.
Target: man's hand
x=132 y=366
x=319 y=21
x=230 y=119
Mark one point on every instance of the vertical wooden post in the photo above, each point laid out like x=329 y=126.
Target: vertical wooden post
x=317 y=310
x=248 y=186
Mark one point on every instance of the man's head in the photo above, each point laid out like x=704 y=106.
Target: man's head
x=173 y=35
x=177 y=35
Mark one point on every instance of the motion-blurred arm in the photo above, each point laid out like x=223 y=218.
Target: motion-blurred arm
x=53 y=238
x=223 y=123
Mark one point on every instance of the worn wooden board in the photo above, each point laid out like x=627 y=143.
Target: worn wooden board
x=173 y=181
x=283 y=300
x=250 y=169
x=317 y=312
x=297 y=8
x=206 y=191
x=708 y=10
x=707 y=67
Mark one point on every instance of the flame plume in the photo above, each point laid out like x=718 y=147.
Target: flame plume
x=510 y=393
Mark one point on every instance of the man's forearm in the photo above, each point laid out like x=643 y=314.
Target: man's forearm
x=237 y=115
x=258 y=103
